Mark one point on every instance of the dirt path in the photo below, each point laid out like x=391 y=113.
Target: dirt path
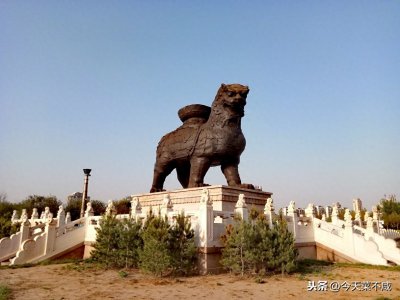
x=63 y=282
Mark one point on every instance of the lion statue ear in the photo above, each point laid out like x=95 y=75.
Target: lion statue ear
x=223 y=86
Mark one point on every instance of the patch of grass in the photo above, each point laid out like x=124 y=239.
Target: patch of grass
x=303 y=277
x=122 y=274
x=259 y=280
x=367 y=266
x=60 y=261
x=311 y=266
x=276 y=279
x=43 y=263
x=18 y=266
x=5 y=292
x=82 y=266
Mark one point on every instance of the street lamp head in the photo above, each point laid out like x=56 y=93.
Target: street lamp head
x=87 y=171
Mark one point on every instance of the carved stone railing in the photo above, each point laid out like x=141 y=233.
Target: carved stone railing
x=9 y=246
x=74 y=225
x=390 y=233
x=359 y=230
x=36 y=230
x=331 y=228
x=41 y=241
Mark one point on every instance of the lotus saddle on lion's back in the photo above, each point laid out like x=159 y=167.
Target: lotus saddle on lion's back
x=209 y=136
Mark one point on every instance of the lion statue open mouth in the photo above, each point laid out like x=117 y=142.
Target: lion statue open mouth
x=208 y=137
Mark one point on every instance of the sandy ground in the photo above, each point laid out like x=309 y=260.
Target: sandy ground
x=65 y=282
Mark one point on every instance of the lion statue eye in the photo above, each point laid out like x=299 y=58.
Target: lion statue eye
x=231 y=93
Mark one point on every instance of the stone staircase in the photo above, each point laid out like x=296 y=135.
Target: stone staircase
x=45 y=238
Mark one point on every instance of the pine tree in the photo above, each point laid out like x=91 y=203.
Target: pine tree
x=106 y=248
x=182 y=246
x=155 y=257
x=130 y=243
x=264 y=249
x=285 y=251
x=254 y=246
x=237 y=254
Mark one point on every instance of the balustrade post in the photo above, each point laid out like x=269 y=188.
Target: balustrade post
x=206 y=220
x=14 y=217
x=60 y=217
x=136 y=209
x=269 y=211
x=89 y=212
x=348 y=230
x=291 y=213
x=166 y=206
x=110 y=209
x=241 y=208
x=370 y=228
x=35 y=214
x=25 y=228
x=335 y=213
x=68 y=218
x=309 y=212
x=51 y=234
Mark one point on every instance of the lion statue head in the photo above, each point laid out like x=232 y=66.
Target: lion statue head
x=232 y=98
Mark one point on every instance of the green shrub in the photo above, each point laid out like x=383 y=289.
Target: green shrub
x=5 y=292
x=117 y=243
x=157 y=248
x=255 y=247
x=168 y=249
x=107 y=241
x=155 y=256
x=182 y=246
x=130 y=242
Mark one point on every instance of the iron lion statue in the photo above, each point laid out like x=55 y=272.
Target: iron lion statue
x=209 y=136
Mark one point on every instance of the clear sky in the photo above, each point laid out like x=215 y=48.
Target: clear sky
x=95 y=84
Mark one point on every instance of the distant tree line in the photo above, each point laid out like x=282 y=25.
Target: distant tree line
x=390 y=209
x=32 y=201
x=73 y=206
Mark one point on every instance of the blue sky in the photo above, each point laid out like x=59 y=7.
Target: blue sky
x=95 y=84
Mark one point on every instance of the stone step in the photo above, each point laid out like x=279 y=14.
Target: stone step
x=5 y=263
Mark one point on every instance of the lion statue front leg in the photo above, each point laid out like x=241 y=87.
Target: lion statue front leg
x=198 y=169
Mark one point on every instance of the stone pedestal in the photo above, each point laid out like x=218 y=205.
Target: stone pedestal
x=204 y=202
x=223 y=198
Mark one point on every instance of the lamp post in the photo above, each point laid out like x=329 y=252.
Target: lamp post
x=85 y=190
